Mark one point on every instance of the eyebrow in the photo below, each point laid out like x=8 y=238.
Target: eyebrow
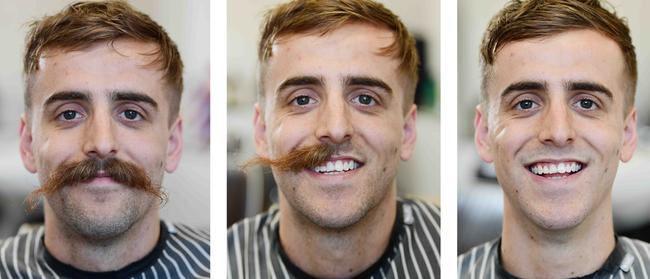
x=588 y=86
x=301 y=80
x=68 y=96
x=367 y=81
x=524 y=86
x=134 y=97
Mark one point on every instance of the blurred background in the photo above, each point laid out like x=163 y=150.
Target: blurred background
x=249 y=194
x=480 y=200
x=188 y=24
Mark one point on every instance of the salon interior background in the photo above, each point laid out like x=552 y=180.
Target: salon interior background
x=248 y=194
x=479 y=199
x=188 y=24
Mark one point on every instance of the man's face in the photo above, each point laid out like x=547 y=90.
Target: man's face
x=338 y=89
x=100 y=102
x=555 y=126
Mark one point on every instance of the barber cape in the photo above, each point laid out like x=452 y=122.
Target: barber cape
x=630 y=259
x=181 y=252
x=254 y=249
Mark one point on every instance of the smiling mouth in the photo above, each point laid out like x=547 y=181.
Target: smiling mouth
x=556 y=170
x=337 y=167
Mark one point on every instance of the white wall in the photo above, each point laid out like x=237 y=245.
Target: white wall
x=187 y=23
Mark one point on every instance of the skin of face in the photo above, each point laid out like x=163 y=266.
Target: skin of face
x=547 y=104
x=336 y=88
x=99 y=102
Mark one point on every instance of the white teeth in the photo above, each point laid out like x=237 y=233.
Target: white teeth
x=546 y=168
x=336 y=166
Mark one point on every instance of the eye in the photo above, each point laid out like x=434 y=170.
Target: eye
x=131 y=115
x=586 y=104
x=303 y=100
x=365 y=100
x=69 y=115
x=526 y=105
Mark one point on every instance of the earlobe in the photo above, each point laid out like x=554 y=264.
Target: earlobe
x=174 y=146
x=481 y=136
x=409 y=134
x=26 y=152
x=259 y=125
x=629 y=137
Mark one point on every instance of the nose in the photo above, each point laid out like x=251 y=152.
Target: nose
x=334 y=124
x=557 y=125
x=99 y=136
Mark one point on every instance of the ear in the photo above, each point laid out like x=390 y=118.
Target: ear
x=26 y=151
x=409 y=132
x=629 y=137
x=174 y=145
x=481 y=136
x=261 y=146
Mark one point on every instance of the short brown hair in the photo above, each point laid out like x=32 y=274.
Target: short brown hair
x=82 y=24
x=521 y=20
x=323 y=16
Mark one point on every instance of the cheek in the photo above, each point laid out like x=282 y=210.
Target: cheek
x=384 y=135
x=287 y=133
x=606 y=139
x=146 y=150
x=508 y=137
x=52 y=151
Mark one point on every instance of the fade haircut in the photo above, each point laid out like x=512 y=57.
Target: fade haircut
x=522 y=20
x=323 y=16
x=83 y=24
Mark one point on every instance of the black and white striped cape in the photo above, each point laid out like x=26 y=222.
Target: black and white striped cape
x=181 y=252
x=413 y=252
x=630 y=259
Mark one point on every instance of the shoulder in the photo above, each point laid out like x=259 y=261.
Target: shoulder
x=421 y=213
x=639 y=249
x=250 y=243
x=26 y=233
x=251 y=226
x=17 y=250
x=476 y=260
x=184 y=234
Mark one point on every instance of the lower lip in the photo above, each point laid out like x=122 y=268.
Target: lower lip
x=102 y=180
x=561 y=180
x=342 y=174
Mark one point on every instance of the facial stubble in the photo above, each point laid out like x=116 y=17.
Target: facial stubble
x=63 y=179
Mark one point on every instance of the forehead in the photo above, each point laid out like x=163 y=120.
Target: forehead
x=580 y=55
x=353 y=49
x=100 y=68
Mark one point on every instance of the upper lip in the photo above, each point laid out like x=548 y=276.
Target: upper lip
x=554 y=161
x=102 y=173
x=342 y=158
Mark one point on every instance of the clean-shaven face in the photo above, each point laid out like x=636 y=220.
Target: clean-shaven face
x=555 y=126
x=336 y=88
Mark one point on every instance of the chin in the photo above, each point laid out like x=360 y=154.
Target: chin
x=337 y=220
x=558 y=218
x=329 y=214
x=94 y=220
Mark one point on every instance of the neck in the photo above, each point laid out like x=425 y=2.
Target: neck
x=103 y=255
x=530 y=251
x=327 y=253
